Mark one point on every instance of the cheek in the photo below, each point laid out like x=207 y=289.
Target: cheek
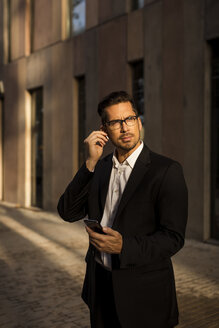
x=138 y=129
x=113 y=135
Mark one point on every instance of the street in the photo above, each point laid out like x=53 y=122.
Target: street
x=42 y=269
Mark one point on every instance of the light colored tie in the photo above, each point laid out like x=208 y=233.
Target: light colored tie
x=117 y=191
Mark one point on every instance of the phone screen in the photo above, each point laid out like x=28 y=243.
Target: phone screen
x=94 y=225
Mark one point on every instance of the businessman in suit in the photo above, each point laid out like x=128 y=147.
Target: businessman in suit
x=140 y=199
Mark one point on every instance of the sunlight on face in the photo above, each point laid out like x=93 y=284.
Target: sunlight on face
x=126 y=138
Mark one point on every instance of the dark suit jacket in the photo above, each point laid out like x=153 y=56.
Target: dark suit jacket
x=151 y=217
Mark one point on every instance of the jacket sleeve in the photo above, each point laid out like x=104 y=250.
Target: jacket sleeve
x=171 y=210
x=72 y=205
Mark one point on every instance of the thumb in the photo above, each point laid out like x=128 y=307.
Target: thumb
x=109 y=231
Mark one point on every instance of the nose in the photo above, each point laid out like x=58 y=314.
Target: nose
x=124 y=127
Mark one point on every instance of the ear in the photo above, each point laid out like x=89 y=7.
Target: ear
x=103 y=128
x=139 y=124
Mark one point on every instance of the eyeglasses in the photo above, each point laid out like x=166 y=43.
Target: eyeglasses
x=116 y=124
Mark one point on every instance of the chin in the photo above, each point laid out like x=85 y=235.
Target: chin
x=127 y=146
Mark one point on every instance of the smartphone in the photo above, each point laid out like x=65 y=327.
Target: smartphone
x=94 y=225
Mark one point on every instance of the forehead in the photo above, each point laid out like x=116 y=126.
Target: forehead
x=119 y=111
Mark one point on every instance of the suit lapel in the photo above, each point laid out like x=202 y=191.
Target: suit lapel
x=104 y=181
x=139 y=170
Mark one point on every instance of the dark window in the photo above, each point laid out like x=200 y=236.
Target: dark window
x=37 y=147
x=78 y=16
x=215 y=142
x=137 y=4
x=138 y=87
x=81 y=119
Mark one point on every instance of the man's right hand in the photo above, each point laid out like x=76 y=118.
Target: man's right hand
x=95 y=143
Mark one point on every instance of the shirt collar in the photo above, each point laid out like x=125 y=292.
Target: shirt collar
x=130 y=161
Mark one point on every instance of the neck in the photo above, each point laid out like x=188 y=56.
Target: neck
x=122 y=154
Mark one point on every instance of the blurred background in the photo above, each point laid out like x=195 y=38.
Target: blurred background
x=60 y=57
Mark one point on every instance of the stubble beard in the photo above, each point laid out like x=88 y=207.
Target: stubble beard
x=127 y=147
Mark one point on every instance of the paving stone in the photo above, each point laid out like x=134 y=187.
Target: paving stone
x=42 y=269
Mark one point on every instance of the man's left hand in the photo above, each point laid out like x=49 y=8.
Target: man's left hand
x=110 y=242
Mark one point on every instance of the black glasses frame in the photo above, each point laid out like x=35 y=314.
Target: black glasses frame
x=121 y=121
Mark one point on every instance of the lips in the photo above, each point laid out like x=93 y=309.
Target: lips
x=126 y=138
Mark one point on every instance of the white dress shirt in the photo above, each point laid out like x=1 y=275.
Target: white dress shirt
x=118 y=179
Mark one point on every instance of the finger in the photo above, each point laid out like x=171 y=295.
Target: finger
x=95 y=140
x=100 y=133
x=104 y=137
x=91 y=233
x=110 y=232
x=88 y=229
x=95 y=235
x=100 y=143
x=99 y=137
x=95 y=245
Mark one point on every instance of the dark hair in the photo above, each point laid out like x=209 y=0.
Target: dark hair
x=114 y=98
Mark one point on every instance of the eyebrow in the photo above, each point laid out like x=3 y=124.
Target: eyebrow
x=120 y=119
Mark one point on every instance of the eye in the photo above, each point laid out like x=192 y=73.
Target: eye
x=130 y=118
x=112 y=122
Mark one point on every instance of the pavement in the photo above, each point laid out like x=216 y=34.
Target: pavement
x=42 y=269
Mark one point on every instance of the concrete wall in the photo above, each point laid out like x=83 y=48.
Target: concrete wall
x=135 y=44
x=172 y=115
x=1 y=38
x=193 y=108
x=92 y=79
x=112 y=65
x=211 y=19
x=46 y=23
x=92 y=13
x=170 y=36
x=153 y=75
x=110 y=9
x=12 y=93
x=52 y=69
x=17 y=29
x=174 y=81
x=62 y=119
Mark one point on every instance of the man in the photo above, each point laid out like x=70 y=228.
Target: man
x=140 y=198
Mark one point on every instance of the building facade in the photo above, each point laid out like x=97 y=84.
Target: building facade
x=60 y=57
